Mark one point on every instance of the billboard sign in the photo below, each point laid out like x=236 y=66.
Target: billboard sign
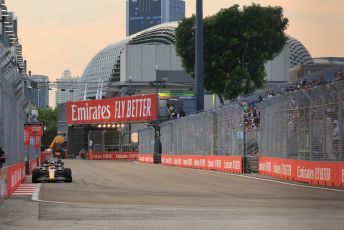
x=120 y=109
x=32 y=132
x=33 y=129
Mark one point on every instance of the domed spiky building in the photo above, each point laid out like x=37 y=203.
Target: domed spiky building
x=299 y=54
x=107 y=64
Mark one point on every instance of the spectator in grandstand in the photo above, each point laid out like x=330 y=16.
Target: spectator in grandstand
x=335 y=138
x=244 y=106
x=256 y=116
x=339 y=76
x=293 y=104
x=171 y=111
x=2 y=156
x=304 y=84
x=260 y=98
x=181 y=113
x=291 y=127
x=82 y=154
x=251 y=115
x=90 y=153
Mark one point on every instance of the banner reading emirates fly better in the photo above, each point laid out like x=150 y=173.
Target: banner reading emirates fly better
x=120 y=109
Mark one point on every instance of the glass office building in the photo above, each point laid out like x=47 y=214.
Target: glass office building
x=143 y=14
x=40 y=91
x=68 y=88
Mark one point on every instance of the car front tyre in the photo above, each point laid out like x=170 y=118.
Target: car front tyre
x=68 y=175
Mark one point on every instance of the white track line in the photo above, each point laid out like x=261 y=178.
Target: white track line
x=252 y=177
x=22 y=194
x=285 y=182
x=25 y=190
x=100 y=204
x=35 y=195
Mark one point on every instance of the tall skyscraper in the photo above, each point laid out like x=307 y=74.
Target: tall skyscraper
x=67 y=88
x=143 y=14
x=40 y=91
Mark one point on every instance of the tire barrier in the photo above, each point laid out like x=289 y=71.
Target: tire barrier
x=114 y=156
x=230 y=164
x=146 y=158
x=330 y=174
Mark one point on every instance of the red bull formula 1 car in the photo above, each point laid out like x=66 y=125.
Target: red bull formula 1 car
x=52 y=170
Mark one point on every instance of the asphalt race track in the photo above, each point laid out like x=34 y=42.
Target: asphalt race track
x=128 y=195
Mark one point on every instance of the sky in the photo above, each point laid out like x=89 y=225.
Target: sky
x=66 y=34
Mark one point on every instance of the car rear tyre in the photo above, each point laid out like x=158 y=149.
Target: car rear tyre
x=35 y=175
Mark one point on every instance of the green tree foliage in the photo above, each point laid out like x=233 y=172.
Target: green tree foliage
x=237 y=43
x=48 y=116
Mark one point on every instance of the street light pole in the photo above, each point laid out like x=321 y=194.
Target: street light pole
x=157 y=156
x=157 y=131
x=199 y=53
x=130 y=94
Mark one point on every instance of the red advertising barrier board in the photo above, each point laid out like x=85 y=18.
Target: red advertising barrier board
x=26 y=136
x=15 y=176
x=329 y=174
x=119 y=109
x=34 y=129
x=115 y=155
x=16 y=173
x=38 y=142
x=231 y=164
x=146 y=158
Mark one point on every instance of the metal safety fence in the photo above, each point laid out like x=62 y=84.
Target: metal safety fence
x=147 y=140
x=304 y=124
x=12 y=114
x=218 y=131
